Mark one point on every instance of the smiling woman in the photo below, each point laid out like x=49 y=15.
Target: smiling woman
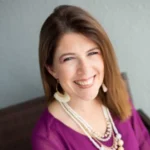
x=89 y=106
x=79 y=67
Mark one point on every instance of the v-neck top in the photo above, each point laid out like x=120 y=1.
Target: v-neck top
x=50 y=133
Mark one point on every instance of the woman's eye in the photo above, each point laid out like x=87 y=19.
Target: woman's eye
x=67 y=59
x=93 y=53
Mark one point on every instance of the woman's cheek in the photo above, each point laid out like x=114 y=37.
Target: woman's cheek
x=67 y=70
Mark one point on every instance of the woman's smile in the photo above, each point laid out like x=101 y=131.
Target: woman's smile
x=85 y=83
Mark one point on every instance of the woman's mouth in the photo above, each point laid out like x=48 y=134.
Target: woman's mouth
x=85 y=83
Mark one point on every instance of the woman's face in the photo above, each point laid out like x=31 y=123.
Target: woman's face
x=79 y=67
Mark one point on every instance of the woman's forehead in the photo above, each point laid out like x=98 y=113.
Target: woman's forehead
x=74 y=42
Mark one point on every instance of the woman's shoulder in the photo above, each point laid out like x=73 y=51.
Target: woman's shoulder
x=46 y=134
x=44 y=125
x=47 y=125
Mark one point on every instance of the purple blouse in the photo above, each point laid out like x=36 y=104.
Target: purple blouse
x=52 y=134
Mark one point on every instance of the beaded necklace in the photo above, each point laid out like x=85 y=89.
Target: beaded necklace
x=93 y=136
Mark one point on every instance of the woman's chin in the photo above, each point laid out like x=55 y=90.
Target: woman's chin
x=88 y=97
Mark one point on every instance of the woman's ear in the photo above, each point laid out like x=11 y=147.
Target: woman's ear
x=50 y=69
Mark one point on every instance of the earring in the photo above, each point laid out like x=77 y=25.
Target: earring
x=104 y=88
x=63 y=98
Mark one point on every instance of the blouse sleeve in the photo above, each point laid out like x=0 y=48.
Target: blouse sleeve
x=141 y=133
x=40 y=142
x=44 y=137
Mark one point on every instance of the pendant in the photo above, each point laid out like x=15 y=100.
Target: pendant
x=120 y=148
x=102 y=148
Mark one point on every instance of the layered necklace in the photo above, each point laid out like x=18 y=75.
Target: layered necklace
x=95 y=137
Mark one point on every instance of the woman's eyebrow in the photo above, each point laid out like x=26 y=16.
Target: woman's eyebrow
x=92 y=49
x=65 y=54
x=74 y=53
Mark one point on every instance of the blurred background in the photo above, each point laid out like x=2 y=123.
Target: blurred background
x=127 y=22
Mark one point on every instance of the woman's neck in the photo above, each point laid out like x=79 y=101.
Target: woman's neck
x=85 y=107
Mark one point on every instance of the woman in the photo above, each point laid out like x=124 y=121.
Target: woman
x=88 y=107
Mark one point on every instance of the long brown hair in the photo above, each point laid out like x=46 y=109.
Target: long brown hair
x=65 y=19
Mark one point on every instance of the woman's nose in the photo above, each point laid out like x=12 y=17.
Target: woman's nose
x=83 y=67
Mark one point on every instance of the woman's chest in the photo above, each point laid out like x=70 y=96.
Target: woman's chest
x=76 y=141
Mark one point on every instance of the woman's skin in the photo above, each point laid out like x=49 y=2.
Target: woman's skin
x=79 y=67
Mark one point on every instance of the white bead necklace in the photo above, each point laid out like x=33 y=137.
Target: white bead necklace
x=87 y=134
x=90 y=129
x=87 y=129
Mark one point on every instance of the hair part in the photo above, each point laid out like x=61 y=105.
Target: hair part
x=66 y=19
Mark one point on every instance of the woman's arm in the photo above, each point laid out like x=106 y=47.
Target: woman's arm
x=42 y=143
x=140 y=131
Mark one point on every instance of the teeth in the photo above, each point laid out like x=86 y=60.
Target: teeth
x=88 y=82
